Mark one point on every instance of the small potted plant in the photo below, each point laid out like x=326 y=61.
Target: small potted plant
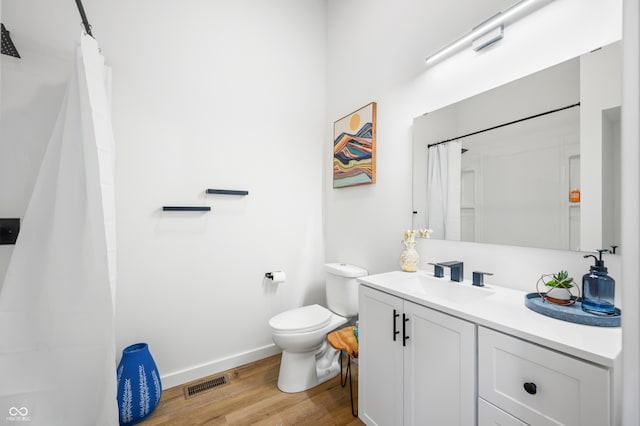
x=559 y=288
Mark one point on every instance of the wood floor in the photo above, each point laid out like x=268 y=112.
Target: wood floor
x=251 y=397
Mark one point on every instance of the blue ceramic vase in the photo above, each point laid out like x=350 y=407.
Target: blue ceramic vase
x=139 y=387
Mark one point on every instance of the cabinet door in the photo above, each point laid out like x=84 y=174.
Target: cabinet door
x=439 y=368
x=380 y=362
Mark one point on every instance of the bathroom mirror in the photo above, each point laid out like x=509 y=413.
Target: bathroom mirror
x=532 y=163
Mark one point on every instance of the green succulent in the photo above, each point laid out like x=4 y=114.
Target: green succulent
x=560 y=280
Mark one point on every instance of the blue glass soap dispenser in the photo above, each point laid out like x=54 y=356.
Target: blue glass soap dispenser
x=598 y=288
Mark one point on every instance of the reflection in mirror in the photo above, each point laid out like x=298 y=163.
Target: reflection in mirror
x=523 y=173
x=509 y=166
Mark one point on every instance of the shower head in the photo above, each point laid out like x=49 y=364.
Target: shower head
x=8 y=48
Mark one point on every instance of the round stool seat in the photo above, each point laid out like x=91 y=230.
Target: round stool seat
x=301 y=320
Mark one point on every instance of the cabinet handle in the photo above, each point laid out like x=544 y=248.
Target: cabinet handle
x=531 y=388
x=404 y=330
x=395 y=326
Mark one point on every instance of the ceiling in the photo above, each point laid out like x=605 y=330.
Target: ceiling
x=54 y=25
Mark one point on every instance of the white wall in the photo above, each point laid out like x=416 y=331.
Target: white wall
x=215 y=95
x=365 y=224
x=376 y=50
x=225 y=94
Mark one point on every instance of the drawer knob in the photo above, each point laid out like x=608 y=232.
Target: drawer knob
x=531 y=388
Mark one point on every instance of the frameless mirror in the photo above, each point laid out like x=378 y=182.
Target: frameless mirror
x=531 y=163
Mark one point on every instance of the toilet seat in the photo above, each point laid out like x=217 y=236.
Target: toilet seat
x=301 y=320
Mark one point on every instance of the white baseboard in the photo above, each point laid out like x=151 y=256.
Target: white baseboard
x=181 y=377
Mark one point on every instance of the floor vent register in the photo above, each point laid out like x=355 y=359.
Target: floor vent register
x=205 y=386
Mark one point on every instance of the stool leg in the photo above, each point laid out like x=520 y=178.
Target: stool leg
x=343 y=381
x=353 y=411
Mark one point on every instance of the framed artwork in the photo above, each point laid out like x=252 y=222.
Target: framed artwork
x=354 y=148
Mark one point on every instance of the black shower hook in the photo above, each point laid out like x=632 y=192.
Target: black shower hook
x=83 y=15
x=8 y=48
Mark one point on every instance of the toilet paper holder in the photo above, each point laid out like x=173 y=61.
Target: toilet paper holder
x=276 y=277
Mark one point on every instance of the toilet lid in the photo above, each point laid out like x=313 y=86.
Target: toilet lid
x=300 y=320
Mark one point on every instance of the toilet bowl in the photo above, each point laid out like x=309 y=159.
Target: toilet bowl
x=301 y=334
x=307 y=359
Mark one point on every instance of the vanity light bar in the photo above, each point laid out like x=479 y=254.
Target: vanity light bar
x=509 y=15
x=493 y=36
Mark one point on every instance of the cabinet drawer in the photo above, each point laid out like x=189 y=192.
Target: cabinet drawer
x=560 y=390
x=490 y=415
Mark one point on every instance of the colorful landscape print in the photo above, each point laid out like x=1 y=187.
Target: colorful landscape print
x=354 y=148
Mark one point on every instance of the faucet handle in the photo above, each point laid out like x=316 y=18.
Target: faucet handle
x=478 y=278
x=438 y=272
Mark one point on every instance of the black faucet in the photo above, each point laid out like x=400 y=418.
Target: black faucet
x=457 y=269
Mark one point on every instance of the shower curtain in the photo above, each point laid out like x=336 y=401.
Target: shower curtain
x=443 y=190
x=57 y=346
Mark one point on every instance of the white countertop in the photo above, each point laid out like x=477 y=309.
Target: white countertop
x=501 y=309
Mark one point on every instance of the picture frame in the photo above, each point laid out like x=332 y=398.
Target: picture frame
x=354 y=148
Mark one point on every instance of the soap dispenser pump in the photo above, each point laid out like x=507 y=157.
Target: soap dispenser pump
x=598 y=288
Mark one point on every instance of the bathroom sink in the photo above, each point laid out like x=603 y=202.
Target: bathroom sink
x=431 y=288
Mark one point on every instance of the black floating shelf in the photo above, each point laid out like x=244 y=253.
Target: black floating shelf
x=186 y=209
x=227 y=192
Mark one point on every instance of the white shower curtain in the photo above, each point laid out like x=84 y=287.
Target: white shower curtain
x=57 y=346
x=443 y=190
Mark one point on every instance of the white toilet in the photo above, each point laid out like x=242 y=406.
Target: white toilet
x=307 y=358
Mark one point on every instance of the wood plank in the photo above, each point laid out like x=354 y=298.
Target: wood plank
x=252 y=398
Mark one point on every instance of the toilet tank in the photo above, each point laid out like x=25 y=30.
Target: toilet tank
x=342 y=288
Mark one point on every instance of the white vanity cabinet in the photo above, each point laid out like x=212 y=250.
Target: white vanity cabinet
x=538 y=386
x=435 y=352
x=417 y=365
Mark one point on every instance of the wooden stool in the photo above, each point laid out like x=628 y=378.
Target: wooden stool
x=345 y=341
